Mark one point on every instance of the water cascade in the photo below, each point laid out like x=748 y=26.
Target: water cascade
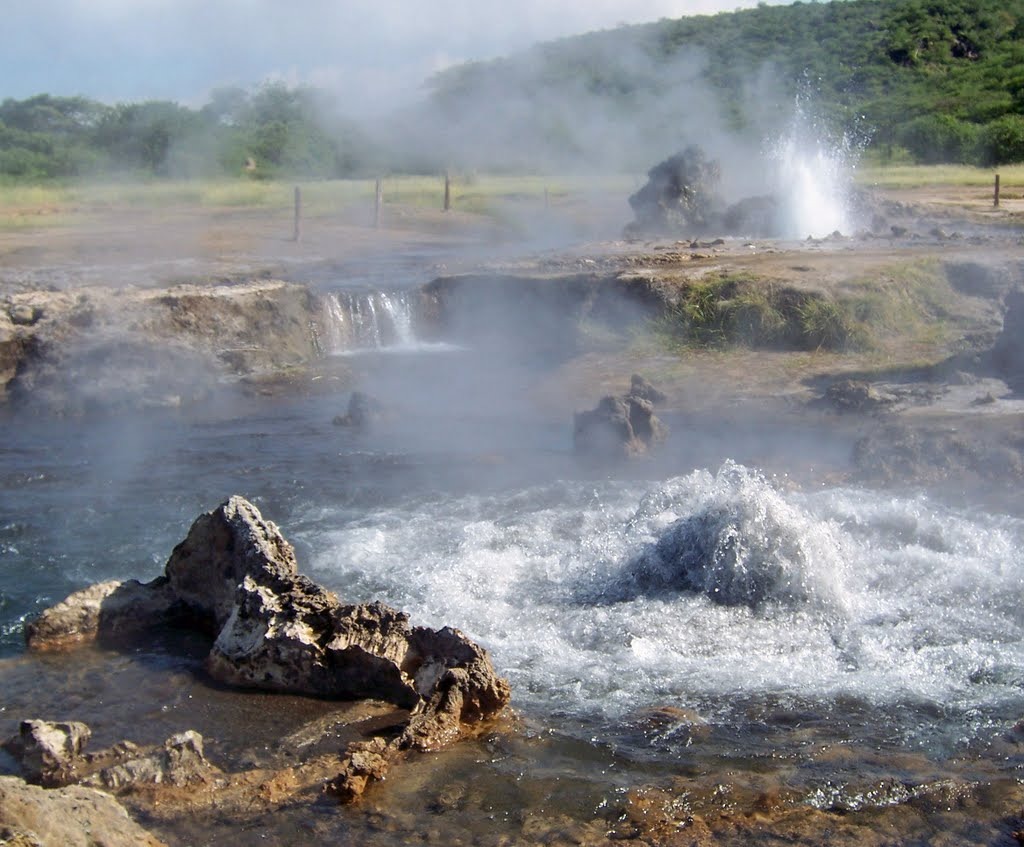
x=356 y=321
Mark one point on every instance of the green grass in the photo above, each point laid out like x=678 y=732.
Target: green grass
x=922 y=176
x=23 y=205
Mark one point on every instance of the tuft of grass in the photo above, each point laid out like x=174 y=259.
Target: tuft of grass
x=827 y=324
x=732 y=310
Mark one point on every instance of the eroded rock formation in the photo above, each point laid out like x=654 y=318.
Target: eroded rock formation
x=235 y=578
x=621 y=426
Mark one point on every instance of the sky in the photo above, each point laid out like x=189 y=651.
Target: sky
x=374 y=55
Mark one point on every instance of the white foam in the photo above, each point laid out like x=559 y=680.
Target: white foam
x=899 y=598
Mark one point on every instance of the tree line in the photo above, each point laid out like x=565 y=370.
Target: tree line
x=923 y=80
x=271 y=131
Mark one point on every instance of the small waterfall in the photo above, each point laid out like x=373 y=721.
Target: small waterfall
x=368 y=320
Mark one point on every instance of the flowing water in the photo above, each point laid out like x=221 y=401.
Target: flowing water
x=714 y=616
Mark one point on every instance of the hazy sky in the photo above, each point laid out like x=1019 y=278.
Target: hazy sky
x=373 y=53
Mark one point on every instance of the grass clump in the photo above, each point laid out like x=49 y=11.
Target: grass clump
x=739 y=310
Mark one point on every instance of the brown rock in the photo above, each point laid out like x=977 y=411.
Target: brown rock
x=48 y=752
x=221 y=549
x=66 y=817
x=105 y=611
x=236 y=577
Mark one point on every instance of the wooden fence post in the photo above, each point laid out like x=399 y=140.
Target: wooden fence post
x=297 y=232
x=995 y=196
x=447 y=191
x=379 y=201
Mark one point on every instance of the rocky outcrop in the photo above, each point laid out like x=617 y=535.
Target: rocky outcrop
x=52 y=754
x=620 y=426
x=104 y=349
x=235 y=578
x=48 y=752
x=680 y=193
x=65 y=817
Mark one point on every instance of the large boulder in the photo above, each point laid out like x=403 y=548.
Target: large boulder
x=235 y=577
x=680 y=193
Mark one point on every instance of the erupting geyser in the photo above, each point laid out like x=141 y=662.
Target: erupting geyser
x=812 y=179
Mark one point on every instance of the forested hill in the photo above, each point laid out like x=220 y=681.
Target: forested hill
x=942 y=78
x=929 y=80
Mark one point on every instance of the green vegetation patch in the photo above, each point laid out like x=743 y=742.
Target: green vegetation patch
x=731 y=309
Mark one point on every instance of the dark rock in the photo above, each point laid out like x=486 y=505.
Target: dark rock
x=1008 y=352
x=754 y=217
x=855 y=395
x=620 y=426
x=640 y=387
x=680 y=193
x=363 y=411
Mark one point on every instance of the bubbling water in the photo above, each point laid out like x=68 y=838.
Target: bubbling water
x=841 y=593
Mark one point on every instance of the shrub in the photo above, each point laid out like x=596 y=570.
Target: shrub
x=1002 y=141
x=936 y=139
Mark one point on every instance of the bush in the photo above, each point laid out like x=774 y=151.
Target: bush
x=936 y=139
x=1001 y=141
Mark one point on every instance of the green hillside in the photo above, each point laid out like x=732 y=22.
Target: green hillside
x=943 y=79
x=910 y=80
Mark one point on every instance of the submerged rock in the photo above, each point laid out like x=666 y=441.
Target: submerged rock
x=235 y=577
x=363 y=411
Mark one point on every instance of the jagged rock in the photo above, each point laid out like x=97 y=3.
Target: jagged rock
x=235 y=577
x=640 y=387
x=66 y=817
x=221 y=549
x=680 y=193
x=106 y=610
x=620 y=426
x=48 y=752
x=363 y=411
x=179 y=762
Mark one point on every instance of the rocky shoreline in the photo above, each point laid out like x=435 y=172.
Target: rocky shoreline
x=234 y=579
